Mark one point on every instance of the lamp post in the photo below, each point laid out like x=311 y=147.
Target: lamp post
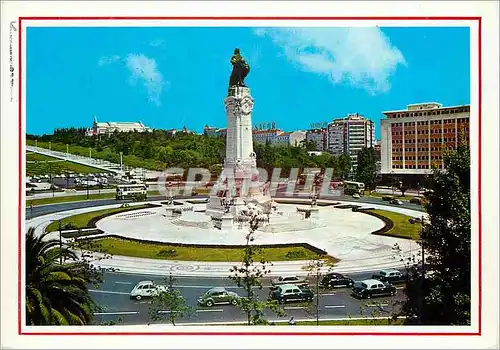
x=61 y=226
x=50 y=146
x=87 y=186
x=36 y=143
x=90 y=153
x=67 y=150
x=121 y=161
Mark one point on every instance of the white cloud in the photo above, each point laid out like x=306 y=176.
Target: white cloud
x=144 y=69
x=362 y=56
x=108 y=59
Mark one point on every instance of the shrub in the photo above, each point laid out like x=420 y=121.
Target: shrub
x=294 y=254
x=168 y=253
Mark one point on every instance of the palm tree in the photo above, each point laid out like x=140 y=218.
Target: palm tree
x=56 y=294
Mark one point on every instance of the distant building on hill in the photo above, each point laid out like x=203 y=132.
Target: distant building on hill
x=103 y=128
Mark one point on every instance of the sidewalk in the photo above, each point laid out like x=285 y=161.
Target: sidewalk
x=159 y=267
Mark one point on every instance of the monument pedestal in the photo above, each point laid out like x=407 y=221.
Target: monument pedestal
x=239 y=180
x=170 y=210
x=226 y=222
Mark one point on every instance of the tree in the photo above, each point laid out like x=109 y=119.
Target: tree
x=403 y=189
x=439 y=281
x=343 y=165
x=249 y=277
x=366 y=170
x=56 y=294
x=315 y=270
x=169 y=304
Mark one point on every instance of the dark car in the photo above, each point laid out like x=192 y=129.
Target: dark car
x=390 y=275
x=372 y=288
x=334 y=279
x=289 y=293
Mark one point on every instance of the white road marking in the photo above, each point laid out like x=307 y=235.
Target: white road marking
x=326 y=294
x=295 y=307
x=210 y=310
x=376 y=305
x=117 y=313
x=107 y=292
x=333 y=306
x=118 y=282
x=400 y=287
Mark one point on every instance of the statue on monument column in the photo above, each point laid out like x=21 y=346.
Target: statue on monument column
x=240 y=70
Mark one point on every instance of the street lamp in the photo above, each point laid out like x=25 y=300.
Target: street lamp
x=87 y=186
x=50 y=146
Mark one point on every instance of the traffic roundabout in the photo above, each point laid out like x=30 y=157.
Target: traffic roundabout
x=343 y=233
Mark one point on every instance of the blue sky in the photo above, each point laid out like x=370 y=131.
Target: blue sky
x=174 y=76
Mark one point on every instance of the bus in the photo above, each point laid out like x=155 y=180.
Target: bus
x=353 y=187
x=134 y=191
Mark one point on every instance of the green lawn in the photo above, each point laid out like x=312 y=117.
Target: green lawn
x=106 y=154
x=80 y=221
x=45 y=165
x=65 y=199
x=402 y=228
x=124 y=247
x=397 y=195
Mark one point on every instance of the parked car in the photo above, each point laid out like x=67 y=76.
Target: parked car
x=397 y=202
x=356 y=196
x=372 y=288
x=389 y=275
x=299 y=281
x=334 y=279
x=147 y=289
x=218 y=296
x=415 y=220
x=291 y=292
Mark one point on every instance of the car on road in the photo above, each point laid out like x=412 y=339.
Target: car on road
x=218 y=296
x=396 y=201
x=299 y=281
x=334 y=279
x=389 y=275
x=147 y=289
x=290 y=292
x=372 y=288
x=356 y=196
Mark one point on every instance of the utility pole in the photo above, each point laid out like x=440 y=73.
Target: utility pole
x=67 y=150
x=36 y=143
x=50 y=146
x=90 y=153
x=87 y=186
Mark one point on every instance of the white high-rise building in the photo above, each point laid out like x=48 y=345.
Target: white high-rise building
x=349 y=135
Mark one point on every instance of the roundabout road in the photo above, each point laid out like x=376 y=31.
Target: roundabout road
x=57 y=207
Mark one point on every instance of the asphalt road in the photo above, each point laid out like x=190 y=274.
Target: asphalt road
x=54 y=208
x=116 y=306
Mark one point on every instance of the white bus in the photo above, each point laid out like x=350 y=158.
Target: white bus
x=352 y=187
x=136 y=191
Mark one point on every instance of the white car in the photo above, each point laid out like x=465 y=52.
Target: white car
x=356 y=196
x=147 y=289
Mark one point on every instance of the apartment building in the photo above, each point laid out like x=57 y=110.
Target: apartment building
x=319 y=137
x=349 y=135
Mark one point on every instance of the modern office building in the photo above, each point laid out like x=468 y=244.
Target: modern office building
x=412 y=139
